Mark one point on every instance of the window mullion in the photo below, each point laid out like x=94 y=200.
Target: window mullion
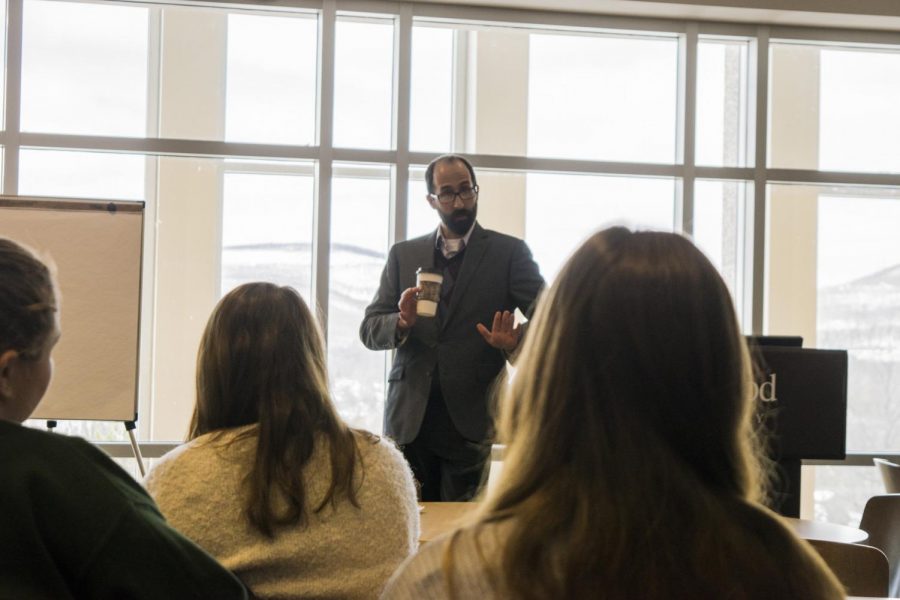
x=687 y=130
x=322 y=201
x=402 y=91
x=14 y=26
x=760 y=146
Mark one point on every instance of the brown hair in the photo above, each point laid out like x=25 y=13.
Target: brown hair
x=631 y=464
x=262 y=361
x=27 y=300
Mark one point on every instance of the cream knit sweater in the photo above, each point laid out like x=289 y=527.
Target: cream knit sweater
x=345 y=552
x=475 y=554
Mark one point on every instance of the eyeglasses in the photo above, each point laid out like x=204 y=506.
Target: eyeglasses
x=465 y=194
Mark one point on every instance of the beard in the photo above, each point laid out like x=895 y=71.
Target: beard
x=460 y=220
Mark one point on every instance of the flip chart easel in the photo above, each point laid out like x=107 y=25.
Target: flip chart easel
x=94 y=248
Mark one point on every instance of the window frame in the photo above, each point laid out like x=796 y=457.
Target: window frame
x=400 y=159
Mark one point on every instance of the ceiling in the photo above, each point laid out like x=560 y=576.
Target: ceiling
x=855 y=14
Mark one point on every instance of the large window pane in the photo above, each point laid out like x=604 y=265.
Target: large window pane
x=363 y=83
x=271 y=79
x=859 y=123
x=563 y=210
x=834 y=108
x=359 y=241
x=858 y=298
x=76 y=174
x=832 y=276
x=520 y=91
x=841 y=492
x=602 y=97
x=267 y=228
x=722 y=102
x=433 y=89
x=84 y=68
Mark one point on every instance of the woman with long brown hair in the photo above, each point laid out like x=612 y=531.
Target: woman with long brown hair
x=631 y=469
x=272 y=482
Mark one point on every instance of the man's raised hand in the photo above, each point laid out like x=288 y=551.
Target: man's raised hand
x=504 y=333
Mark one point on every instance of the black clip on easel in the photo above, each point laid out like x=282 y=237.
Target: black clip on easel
x=129 y=427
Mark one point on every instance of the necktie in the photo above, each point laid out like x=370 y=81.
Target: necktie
x=451 y=248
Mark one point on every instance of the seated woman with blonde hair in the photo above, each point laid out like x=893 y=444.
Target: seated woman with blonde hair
x=630 y=470
x=272 y=482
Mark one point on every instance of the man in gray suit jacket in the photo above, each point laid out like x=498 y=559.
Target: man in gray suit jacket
x=437 y=406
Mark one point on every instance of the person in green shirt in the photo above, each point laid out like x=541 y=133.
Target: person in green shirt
x=73 y=524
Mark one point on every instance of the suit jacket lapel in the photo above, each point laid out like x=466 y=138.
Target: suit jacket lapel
x=475 y=250
x=422 y=255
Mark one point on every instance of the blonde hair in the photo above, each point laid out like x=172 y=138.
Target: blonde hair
x=631 y=469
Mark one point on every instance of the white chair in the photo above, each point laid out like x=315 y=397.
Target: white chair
x=890 y=475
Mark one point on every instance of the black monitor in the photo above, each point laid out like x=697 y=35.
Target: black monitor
x=802 y=403
x=790 y=341
x=802 y=399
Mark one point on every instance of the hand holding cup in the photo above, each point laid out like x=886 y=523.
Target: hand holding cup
x=407 y=308
x=429 y=282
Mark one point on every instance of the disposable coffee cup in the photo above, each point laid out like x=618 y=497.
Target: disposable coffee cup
x=429 y=281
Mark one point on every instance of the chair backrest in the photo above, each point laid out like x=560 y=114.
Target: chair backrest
x=881 y=520
x=890 y=475
x=863 y=570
